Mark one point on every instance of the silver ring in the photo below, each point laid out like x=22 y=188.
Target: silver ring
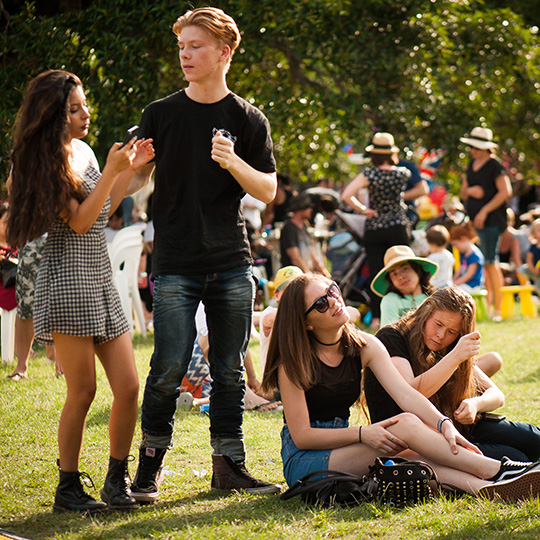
x=391 y=437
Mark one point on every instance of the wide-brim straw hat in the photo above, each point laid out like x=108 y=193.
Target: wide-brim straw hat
x=396 y=255
x=481 y=138
x=382 y=143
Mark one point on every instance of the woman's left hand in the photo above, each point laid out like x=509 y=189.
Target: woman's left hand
x=377 y=436
x=144 y=153
x=455 y=439
x=466 y=412
x=480 y=219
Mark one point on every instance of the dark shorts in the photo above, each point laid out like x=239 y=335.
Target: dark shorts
x=489 y=243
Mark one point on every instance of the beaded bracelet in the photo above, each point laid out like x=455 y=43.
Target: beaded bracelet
x=442 y=419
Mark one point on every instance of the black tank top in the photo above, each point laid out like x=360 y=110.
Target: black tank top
x=337 y=390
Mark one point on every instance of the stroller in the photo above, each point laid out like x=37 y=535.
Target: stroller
x=349 y=261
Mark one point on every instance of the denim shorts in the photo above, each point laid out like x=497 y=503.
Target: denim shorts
x=489 y=243
x=296 y=462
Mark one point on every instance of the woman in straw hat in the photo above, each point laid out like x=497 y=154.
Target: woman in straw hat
x=485 y=191
x=387 y=223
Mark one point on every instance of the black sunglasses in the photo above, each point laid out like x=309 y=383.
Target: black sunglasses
x=322 y=304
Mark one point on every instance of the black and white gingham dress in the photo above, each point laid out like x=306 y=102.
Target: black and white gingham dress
x=75 y=293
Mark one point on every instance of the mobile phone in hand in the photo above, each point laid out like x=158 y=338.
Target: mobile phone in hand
x=130 y=133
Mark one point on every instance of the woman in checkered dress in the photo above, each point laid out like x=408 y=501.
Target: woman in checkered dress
x=56 y=186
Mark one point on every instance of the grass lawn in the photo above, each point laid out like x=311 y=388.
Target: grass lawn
x=188 y=508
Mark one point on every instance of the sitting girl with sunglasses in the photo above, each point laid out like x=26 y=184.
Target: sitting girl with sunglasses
x=316 y=357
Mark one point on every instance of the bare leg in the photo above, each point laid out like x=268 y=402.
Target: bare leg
x=494 y=282
x=77 y=357
x=52 y=357
x=118 y=361
x=24 y=336
x=490 y=363
x=254 y=401
x=466 y=470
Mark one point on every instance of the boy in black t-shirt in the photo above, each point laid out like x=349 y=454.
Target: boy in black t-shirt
x=211 y=148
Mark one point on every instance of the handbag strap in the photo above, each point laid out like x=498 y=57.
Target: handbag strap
x=314 y=479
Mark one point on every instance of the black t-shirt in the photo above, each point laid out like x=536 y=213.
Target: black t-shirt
x=293 y=236
x=198 y=220
x=485 y=177
x=381 y=406
x=281 y=210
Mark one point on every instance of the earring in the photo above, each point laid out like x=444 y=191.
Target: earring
x=309 y=327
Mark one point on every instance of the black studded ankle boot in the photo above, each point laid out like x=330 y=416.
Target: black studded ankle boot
x=116 y=492
x=71 y=497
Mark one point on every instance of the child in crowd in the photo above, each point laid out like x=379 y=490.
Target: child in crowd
x=470 y=274
x=266 y=319
x=438 y=238
x=404 y=282
x=197 y=383
x=531 y=268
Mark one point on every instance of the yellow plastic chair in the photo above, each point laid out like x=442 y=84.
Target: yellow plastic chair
x=528 y=309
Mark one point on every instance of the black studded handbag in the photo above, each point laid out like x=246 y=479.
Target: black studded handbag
x=402 y=482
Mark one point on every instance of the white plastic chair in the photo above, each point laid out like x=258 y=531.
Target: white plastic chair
x=7 y=334
x=125 y=253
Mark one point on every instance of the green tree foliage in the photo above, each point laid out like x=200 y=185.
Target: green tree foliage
x=325 y=72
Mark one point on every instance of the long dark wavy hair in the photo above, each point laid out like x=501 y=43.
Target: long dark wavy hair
x=462 y=384
x=43 y=181
x=293 y=346
x=423 y=276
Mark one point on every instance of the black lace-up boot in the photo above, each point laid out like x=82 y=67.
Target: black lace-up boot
x=71 y=497
x=116 y=492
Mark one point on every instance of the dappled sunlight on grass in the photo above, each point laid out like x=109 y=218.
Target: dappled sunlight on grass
x=188 y=508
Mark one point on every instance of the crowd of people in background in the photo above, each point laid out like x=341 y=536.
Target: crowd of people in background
x=228 y=212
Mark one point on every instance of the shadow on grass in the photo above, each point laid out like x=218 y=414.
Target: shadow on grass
x=494 y=529
x=166 y=517
x=184 y=515
x=532 y=377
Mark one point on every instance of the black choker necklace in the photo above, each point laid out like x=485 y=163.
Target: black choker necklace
x=327 y=344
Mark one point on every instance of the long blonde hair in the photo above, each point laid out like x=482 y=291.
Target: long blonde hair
x=293 y=346
x=462 y=384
